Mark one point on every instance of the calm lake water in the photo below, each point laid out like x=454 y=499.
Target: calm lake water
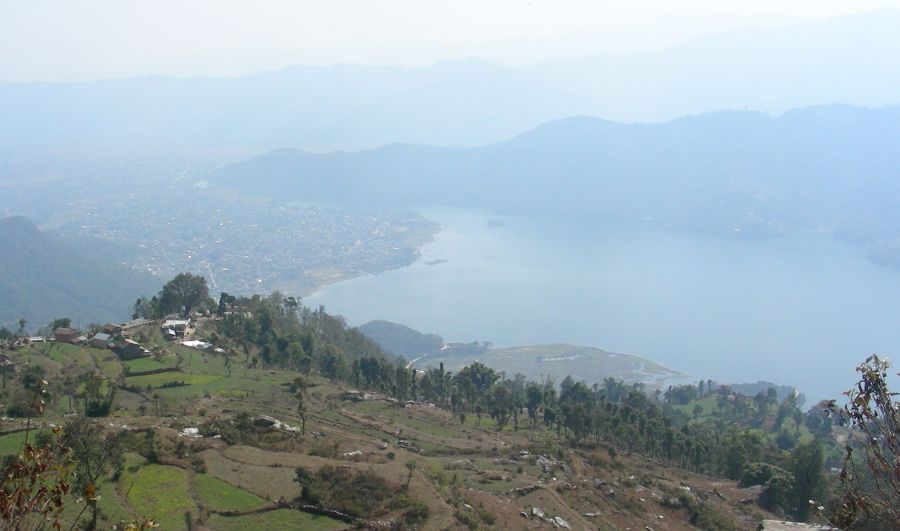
x=802 y=310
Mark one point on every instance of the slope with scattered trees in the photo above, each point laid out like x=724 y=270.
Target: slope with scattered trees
x=292 y=402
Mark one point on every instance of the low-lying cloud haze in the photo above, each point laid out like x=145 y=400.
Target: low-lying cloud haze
x=711 y=185
x=59 y=40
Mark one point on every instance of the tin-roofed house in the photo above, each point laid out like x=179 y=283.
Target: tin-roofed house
x=101 y=340
x=128 y=349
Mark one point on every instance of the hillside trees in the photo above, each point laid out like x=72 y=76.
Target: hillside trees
x=681 y=394
x=22 y=402
x=287 y=334
x=534 y=398
x=36 y=481
x=6 y=369
x=401 y=383
x=35 y=484
x=183 y=294
x=434 y=384
x=871 y=474
x=99 y=396
x=145 y=308
x=401 y=340
x=789 y=488
x=473 y=382
x=301 y=409
x=333 y=364
x=62 y=322
x=225 y=300
x=612 y=415
x=280 y=332
x=809 y=481
x=95 y=456
x=357 y=493
x=517 y=395
x=499 y=403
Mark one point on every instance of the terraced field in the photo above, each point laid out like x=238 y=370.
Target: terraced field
x=278 y=519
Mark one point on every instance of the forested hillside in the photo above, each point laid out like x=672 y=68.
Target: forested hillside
x=739 y=174
x=43 y=277
x=401 y=340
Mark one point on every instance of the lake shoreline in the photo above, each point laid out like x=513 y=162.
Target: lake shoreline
x=718 y=308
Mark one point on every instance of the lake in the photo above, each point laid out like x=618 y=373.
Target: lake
x=803 y=309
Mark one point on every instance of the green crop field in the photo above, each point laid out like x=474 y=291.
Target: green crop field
x=219 y=495
x=159 y=492
x=11 y=444
x=149 y=364
x=280 y=519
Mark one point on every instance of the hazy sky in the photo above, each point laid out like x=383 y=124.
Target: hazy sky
x=88 y=39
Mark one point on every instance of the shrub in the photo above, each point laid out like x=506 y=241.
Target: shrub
x=417 y=513
x=778 y=483
x=199 y=464
x=705 y=516
x=230 y=433
x=779 y=492
x=786 y=440
x=20 y=411
x=97 y=409
x=759 y=473
x=467 y=520
x=324 y=448
x=485 y=515
x=363 y=494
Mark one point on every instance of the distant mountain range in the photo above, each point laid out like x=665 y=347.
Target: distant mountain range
x=849 y=60
x=834 y=168
x=43 y=277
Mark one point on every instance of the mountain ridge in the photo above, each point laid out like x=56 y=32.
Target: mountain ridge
x=465 y=103
x=735 y=173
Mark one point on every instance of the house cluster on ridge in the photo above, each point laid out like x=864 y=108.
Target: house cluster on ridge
x=110 y=336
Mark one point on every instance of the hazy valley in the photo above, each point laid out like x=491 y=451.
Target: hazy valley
x=642 y=275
